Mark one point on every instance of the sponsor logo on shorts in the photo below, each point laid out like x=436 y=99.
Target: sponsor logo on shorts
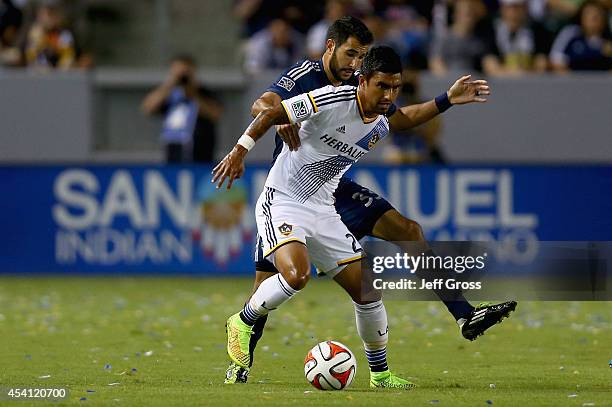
x=286 y=83
x=299 y=109
x=285 y=229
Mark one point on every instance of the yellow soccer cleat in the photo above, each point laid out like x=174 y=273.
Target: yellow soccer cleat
x=388 y=380
x=238 y=338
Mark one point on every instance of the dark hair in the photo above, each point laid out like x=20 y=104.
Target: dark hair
x=185 y=58
x=349 y=26
x=380 y=58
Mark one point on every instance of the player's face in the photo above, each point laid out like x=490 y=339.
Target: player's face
x=381 y=90
x=347 y=58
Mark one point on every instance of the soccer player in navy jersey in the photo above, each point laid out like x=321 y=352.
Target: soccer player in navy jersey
x=364 y=212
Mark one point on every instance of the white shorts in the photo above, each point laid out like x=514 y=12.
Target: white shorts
x=281 y=220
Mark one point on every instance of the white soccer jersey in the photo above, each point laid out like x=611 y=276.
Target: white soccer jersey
x=334 y=135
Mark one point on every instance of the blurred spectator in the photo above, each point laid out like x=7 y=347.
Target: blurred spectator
x=275 y=47
x=461 y=48
x=558 y=13
x=418 y=145
x=408 y=25
x=256 y=15
x=11 y=19
x=396 y=8
x=190 y=113
x=315 y=40
x=587 y=45
x=49 y=42
x=520 y=44
x=377 y=26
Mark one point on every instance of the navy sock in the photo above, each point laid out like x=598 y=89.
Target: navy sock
x=258 y=330
x=454 y=300
x=460 y=308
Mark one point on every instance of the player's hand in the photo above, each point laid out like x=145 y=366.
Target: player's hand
x=289 y=133
x=232 y=167
x=465 y=90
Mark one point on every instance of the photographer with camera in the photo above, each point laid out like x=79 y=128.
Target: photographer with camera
x=190 y=113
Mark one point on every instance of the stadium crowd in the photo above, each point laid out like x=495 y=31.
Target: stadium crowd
x=38 y=35
x=495 y=37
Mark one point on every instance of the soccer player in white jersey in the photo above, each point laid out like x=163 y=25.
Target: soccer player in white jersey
x=295 y=213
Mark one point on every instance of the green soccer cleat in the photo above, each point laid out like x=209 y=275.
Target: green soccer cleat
x=388 y=380
x=238 y=337
x=484 y=316
x=236 y=374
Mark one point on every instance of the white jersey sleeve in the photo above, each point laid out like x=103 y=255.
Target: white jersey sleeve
x=302 y=107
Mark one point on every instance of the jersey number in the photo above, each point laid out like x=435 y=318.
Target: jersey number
x=354 y=243
x=366 y=196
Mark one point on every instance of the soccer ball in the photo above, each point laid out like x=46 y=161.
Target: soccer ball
x=330 y=366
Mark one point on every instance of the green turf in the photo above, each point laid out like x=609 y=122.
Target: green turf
x=70 y=329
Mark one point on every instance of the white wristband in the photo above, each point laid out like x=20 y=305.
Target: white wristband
x=246 y=141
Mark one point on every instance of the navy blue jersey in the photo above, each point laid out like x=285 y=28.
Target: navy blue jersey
x=305 y=76
x=358 y=207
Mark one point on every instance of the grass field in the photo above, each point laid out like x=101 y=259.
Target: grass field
x=161 y=342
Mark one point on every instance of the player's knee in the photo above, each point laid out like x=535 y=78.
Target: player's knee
x=297 y=277
x=411 y=230
x=296 y=274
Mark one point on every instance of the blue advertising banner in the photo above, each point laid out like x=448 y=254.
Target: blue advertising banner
x=153 y=219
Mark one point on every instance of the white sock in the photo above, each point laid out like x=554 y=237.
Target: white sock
x=270 y=294
x=374 y=332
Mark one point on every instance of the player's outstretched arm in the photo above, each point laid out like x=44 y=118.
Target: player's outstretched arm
x=231 y=166
x=463 y=91
x=266 y=101
x=289 y=133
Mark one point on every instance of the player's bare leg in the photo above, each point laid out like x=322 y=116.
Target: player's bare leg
x=371 y=319
x=473 y=321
